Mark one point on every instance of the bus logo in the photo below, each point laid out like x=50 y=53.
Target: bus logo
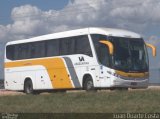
x=81 y=59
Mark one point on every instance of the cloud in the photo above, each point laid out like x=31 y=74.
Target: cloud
x=135 y=15
x=155 y=40
x=2 y=32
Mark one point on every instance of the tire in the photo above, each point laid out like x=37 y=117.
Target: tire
x=28 y=87
x=88 y=84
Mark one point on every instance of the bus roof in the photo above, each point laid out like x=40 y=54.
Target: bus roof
x=77 y=32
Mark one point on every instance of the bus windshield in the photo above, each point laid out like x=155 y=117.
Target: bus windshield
x=130 y=54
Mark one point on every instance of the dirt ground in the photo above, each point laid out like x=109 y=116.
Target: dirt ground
x=9 y=93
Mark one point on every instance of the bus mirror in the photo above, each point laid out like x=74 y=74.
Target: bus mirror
x=109 y=45
x=153 y=49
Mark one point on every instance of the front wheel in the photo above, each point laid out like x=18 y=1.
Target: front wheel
x=88 y=84
x=28 y=87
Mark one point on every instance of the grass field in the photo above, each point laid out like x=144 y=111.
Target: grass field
x=82 y=102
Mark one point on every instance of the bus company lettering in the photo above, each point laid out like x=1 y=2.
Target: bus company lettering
x=82 y=63
x=81 y=59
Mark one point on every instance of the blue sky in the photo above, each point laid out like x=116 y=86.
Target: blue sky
x=6 y=6
x=21 y=19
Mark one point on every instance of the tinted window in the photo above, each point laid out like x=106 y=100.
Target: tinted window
x=17 y=53
x=24 y=51
x=71 y=46
x=67 y=46
x=64 y=47
x=83 y=45
x=37 y=49
x=52 y=48
x=56 y=47
x=102 y=50
x=75 y=45
x=129 y=54
x=10 y=52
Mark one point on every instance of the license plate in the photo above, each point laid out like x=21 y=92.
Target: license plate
x=133 y=83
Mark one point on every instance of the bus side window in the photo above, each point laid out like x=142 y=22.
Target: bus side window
x=40 y=49
x=10 y=52
x=52 y=47
x=23 y=52
x=37 y=49
x=102 y=51
x=67 y=46
x=17 y=55
x=83 y=46
x=64 y=46
x=32 y=50
x=71 y=46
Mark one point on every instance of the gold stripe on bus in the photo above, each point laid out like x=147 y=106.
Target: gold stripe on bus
x=133 y=75
x=55 y=67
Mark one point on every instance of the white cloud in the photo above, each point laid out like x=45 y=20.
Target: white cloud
x=128 y=14
x=3 y=32
x=155 y=40
x=135 y=15
x=26 y=12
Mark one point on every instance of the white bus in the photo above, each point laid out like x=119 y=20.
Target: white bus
x=89 y=58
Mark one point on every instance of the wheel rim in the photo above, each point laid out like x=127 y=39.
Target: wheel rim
x=89 y=85
x=29 y=88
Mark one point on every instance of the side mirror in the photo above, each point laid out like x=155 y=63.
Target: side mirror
x=109 y=45
x=153 y=49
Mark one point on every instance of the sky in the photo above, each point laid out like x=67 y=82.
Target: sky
x=20 y=19
x=6 y=6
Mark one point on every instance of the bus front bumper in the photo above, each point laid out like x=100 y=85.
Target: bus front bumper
x=131 y=83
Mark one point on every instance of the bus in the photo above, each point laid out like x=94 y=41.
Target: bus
x=88 y=58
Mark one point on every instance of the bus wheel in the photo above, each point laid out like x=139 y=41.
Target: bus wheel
x=28 y=87
x=88 y=84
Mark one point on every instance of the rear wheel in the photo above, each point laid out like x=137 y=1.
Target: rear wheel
x=28 y=87
x=88 y=84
